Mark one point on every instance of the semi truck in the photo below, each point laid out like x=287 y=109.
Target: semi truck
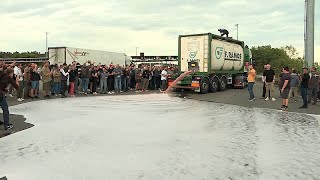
x=217 y=63
x=60 y=55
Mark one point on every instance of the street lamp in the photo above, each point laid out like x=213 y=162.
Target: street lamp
x=237 y=25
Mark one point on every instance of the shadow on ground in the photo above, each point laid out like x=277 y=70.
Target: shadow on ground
x=19 y=125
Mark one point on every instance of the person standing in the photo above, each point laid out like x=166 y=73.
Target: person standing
x=285 y=88
x=56 y=80
x=251 y=81
x=64 y=80
x=85 y=75
x=94 y=78
x=164 y=76
x=19 y=78
x=294 y=85
x=111 y=79
x=304 y=87
x=264 y=84
x=46 y=79
x=157 y=77
x=313 y=86
x=145 y=79
x=117 y=72
x=26 y=81
x=6 y=79
x=35 y=78
x=269 y=77
x=103 y=80
x=132 y=77
x=72 y=77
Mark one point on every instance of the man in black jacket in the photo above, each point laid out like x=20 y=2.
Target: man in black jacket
x=304 y=87
x=6 y=79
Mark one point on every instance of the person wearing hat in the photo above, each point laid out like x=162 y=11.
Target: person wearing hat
x=304 y=87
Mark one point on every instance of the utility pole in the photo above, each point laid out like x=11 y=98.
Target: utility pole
x=309 y=33
x=137 y=51
x=237 y=25
x=47 y=53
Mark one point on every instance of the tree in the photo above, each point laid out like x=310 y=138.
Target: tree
x=277 y=57
x=291 y=51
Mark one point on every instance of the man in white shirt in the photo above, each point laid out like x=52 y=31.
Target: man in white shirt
x=19 y=79
x=164 y=75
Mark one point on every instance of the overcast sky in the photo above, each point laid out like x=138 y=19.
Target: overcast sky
x=151 y=25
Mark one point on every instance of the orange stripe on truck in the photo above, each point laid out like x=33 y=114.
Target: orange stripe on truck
x=195 y=84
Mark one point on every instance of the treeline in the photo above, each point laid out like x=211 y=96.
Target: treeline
x=277 y=57
x=16 y=54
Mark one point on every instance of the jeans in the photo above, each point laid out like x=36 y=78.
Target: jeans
x=56 y=87
x=250 y=89
x=132 y=82
x=85 y=84
x=145 y=84
x=304 y=94
x=20 y=90
x=117 y=84
x=313 y=93
x=5 y=109
x=124 y=84
x=26 y=89
x=157 y=82
x=63 y=87
x=103 y=85
x=163 y=85
x=94 y=84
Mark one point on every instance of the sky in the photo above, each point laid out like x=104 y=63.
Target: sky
x=151 y=25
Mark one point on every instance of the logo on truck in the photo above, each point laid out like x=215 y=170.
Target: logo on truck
x=219 y=52
x=192 y=55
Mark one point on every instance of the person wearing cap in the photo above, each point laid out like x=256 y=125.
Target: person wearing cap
x=304 y=87
x=285 y=82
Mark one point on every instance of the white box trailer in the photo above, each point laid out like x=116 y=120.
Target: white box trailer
x=60 y=55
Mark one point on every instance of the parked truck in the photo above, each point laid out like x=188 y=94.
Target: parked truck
x=60 y=55
x=218 y=62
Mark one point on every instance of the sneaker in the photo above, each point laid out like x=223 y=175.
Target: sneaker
x=303 y=107
x=281 y=107
x=251 y=99
x=22 y=99
x=10 y=95
x=19 y=100
x=267 y=99
x=9 y=127
x=273 y=99
x=95 y=93
x=285 y=108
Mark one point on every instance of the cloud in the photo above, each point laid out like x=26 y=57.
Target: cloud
x=153 y=26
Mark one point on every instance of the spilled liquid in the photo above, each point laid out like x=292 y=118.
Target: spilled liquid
x=159 y=137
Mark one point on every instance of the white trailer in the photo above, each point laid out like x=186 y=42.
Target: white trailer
x=60 y=55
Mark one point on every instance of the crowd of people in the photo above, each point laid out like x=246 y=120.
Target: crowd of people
x=69 y=80
x=289 y=82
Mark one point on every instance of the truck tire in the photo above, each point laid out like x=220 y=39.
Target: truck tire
x=204 y=86
x=214 y=85
x=223 y=84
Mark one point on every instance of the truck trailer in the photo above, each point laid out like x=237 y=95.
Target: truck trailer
x=60 y=55
x=218 y=62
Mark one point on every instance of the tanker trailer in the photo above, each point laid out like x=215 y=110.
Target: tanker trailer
x=217 y=62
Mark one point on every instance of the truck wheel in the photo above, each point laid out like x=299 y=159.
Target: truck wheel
x=204 y=86
x=214 y=85
x=223 y=84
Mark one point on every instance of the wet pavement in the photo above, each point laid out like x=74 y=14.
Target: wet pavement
x=159 y=137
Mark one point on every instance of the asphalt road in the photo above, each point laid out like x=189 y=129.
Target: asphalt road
x=240 y=97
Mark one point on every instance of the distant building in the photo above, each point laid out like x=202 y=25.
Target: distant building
x=154 y=60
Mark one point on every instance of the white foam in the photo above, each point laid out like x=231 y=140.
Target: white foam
x=158 y=137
